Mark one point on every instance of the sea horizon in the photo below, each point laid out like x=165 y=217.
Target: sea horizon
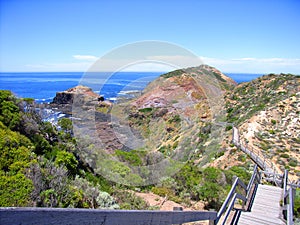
x=42 y=86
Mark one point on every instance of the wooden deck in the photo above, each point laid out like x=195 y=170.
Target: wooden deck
x=266 y=207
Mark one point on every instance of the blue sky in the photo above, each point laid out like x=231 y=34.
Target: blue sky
x=257 y=36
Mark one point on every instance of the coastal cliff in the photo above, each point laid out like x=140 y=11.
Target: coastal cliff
x=67 y=97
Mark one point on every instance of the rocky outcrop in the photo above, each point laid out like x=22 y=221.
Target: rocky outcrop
x=187 y=92
x=67 y=97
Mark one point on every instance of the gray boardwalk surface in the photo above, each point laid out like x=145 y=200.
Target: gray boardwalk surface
x=266 y=207
x=67 y=216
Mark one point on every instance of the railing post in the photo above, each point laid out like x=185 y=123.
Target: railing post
x=293 y=197
x=259 y=176
x=285 y=178
x=211 y=222
x=177 y=209
x=234 y=178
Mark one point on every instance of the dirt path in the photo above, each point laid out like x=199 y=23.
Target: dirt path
x=165 y=204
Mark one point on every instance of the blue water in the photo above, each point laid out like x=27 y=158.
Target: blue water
x=43 y=86
x=242 y=77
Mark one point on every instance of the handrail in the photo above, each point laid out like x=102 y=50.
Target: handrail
x=285 y=179
x=276 y=178
x=229 y=196
x=233 y=195
x=73 y=216
x=272 y=175
x=259 y=159
x=288 y=200
x=290 y=206
x=255 y=176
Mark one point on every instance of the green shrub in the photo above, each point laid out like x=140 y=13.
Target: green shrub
x=284 y=155
x=242 y=158
x=297 y=203
x=293 y=163
x=175 y=119
x=238 y=171
x=145 y=110
x=271 y=131
x=173 y=73
x=175 y=145
x=128 y=200
x=229 y=127
x=10 y=114
x=15 y=190
x=219 y=154
x=67 y=160
x=162 y=191
x=66 y=124
x=131 y=157
x=210 y=192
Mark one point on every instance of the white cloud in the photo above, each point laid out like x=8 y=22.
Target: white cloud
x=85 y=62
x=85 y=57
x=58 y=67
x=168 y=63
x=149 y=67
x=255 y=65
x=182 y=61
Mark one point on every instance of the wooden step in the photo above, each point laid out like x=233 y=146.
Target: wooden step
x=266 y=207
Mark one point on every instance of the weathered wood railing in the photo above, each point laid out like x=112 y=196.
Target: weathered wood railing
x=233 y=195
x=270 y=174
x=63 y=216
x=269 y=170
x=288 y=198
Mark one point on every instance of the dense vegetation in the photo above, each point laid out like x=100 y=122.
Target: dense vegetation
x=38 y=162
x=39 y=166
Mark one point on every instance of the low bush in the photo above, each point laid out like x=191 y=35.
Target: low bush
x=284 y=155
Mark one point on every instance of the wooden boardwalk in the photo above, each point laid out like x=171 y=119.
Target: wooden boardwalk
x=270 y=171
x=260 y=160
x=266 y=207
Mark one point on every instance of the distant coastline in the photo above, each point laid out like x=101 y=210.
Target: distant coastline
x=42 y=86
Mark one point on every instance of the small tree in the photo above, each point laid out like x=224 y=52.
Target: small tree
x=66 y=125
x=211 y=189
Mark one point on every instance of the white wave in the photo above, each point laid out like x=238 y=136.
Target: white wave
x=129 y=92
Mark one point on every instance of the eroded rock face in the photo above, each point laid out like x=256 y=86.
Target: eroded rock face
x=67 y=97
x=186 y=92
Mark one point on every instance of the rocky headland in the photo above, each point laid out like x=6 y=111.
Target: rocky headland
x=67 y=97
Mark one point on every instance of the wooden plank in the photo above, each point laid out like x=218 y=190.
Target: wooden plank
x=266 y=207
x=260 y=220
x=37 y=216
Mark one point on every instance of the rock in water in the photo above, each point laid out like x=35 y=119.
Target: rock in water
x=66 y=97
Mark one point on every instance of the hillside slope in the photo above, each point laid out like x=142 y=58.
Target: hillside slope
x=266 y=111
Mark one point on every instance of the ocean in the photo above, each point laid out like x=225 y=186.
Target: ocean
x=42 y=86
